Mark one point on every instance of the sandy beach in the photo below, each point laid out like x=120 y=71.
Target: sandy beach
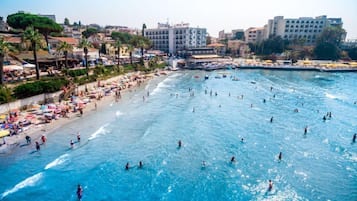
x=35 y=130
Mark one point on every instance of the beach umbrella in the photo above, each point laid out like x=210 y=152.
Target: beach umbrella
x=28 y=65
x=3 y=117
x=51 y=106
x=4 y=133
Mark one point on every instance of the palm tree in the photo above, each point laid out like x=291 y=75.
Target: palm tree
x=118 y=45
x=130 y=50
x=35 y=38
x=85 y=44
x=142 y=43
x=5 y=48
x=65 y=48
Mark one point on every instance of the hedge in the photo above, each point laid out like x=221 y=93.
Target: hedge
x=39 y=87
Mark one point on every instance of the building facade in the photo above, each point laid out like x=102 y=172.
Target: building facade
x=254 y=34
x=172 y=39
x=303 y=28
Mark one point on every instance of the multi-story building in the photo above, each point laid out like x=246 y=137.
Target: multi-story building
x=303 y=28
x=254 y=34
x=172 y=39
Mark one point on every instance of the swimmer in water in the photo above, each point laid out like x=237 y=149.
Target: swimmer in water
x=79 y=192
x=280 y=156
x=270 y=185
x=38 y=146
x=305 y=130
x=140 y=164
x=43 y=138
x=71 y=143
x=203 y=163
x=127 y=166
x=179 y=143
x=354 y=138
x=78 y=137
x=271 y=119
x=233 y=159
x=242 y=140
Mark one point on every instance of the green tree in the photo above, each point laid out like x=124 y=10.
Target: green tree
x=326 y=51
x=5 y=48
x=142 y=43
x=118 y=44
x=130 y=50
x=65 y=48
x=89 y=32
x=103 y=48
x=352 y=53
x=44 y=25
x=332 y=35
x=66 y=22
x=85 y=44
x=328 y=42
x=122 y=36
x=34 y=37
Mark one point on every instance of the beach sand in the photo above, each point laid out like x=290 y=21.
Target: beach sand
x=36 y=131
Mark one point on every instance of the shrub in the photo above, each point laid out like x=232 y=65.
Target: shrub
x=77 y=72
x=39 y=87
x=5 y=95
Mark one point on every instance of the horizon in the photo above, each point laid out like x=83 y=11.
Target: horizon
x=214 y=17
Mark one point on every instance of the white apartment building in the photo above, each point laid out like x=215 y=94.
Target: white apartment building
x=254 y=34
x=171 y=39
x=305 y=28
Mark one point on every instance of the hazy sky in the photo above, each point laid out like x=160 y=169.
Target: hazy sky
x=213 y=15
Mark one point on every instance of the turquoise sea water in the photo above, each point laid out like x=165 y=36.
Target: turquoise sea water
x=321 y=165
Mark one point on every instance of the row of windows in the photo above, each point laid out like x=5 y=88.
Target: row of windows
x=156 y=32
x=158 y=37
x=300 y=36
x=307 y=22
x=302 y=26
x=149 y=33
x=303 y=30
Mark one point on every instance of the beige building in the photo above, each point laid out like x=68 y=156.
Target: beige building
x=254 y=34
x=238 y=47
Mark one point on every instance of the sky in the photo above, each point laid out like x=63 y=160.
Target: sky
x=215 y=15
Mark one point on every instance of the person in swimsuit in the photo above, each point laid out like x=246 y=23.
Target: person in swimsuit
x=79 y=192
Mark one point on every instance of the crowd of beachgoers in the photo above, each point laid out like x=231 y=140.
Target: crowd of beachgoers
x=19 y=126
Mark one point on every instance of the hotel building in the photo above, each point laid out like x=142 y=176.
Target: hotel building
x=305 y=28
x=172 y=39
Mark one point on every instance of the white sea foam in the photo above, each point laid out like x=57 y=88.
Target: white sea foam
x=330 y=96
x=160 y=86
x=301 y=173
x=325 y=141
x=118 y=113
x=57 y=161
x=101 y=130
x=31 y=181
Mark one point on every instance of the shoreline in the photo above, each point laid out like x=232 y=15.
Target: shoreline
x=35 y=131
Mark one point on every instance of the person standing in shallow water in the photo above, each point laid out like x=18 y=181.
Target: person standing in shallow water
x=280 y=156
x=79 y=192
x=38 y=146
x=270 y=185
x=179 y=143
x=354 y=138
